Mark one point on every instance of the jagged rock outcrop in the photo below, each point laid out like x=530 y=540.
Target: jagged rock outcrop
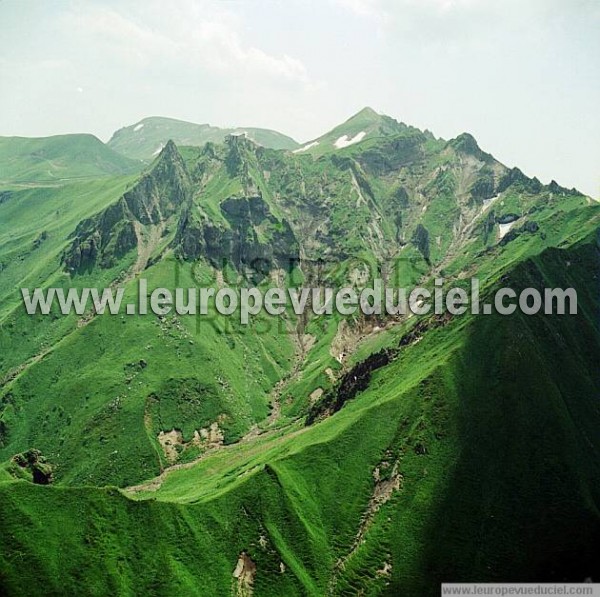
x=484 y=187
x=420 y=239
x=529 y=227
x=515 y=176
x=507 y=218
x=34 y=466
x=250 y=206
x=392 y=154
x=249 y=233
x=253 y=237
x=466 y=143
x=111 y=234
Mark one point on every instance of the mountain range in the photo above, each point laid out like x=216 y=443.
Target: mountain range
x=145 y=139
x=298 y=455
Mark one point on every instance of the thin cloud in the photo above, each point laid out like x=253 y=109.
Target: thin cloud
x=371 y=9
x=191 y=39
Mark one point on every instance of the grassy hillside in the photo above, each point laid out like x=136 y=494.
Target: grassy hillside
x=298 y=455
x=35 y=225
x=60 y=158
x=366 y=124
x=455 y=464
x=145 y=139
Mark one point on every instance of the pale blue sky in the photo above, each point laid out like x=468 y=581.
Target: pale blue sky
x=520 y=75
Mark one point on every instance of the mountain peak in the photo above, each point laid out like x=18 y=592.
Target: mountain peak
x=466 y=143
x=369 y=112
x=365 y=116
x=365 y=124
x=169 y=161
x=169 y=148
x=147 y=138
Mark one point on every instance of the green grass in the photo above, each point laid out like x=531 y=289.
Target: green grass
x=507 y=448
x=153 y=133
x=34 y=228
x=491 y=423
x=56 y=159
x=98 y=396
x=375 y=126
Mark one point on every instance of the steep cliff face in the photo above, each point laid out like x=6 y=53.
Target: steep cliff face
x=405 y=194
x=159 y=195
x=247 y=233
x=251 y=236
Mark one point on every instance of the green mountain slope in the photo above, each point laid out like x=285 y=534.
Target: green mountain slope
x=145 y=139
x=59 y=158
x=299 y=455
x=413 y=482
x=366 y=124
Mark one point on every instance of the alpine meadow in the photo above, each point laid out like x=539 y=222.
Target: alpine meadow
x=295 y=454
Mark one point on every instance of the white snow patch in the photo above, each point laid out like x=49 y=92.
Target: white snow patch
x=306 y=147
x=138 y=127
x=345 y=141
x=487 y=203
x=505 y=228
x=159 y=149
